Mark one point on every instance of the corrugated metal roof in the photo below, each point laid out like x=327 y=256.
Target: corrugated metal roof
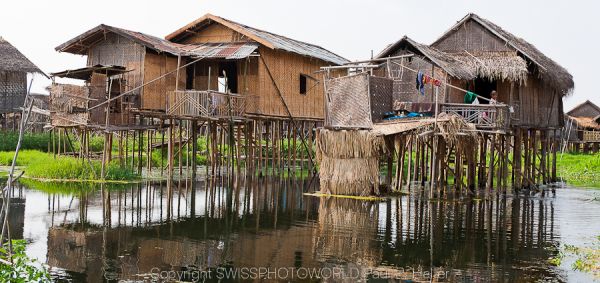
x=228 y=50
x=269 y=39
x=233 y=50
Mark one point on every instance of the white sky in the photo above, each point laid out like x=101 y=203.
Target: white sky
x=566 y=31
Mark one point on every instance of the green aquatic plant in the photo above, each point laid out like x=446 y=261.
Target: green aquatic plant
x=22 y=268
x=46 y=166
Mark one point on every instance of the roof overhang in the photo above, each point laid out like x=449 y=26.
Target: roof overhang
x=86 y=73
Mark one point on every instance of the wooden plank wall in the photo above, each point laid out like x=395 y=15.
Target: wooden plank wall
x=155 y=65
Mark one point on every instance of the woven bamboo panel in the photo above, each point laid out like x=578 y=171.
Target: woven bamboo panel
x=348 y=102
x=380 y=90
x=13 y=87
x=68 y=105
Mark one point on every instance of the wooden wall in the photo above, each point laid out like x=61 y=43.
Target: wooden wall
x=540 y=106
x=215 y=32
x=155 y=65
x=405 y=80
x=585 y=110
x=471 y=36
x=286 y=68
x=253 y=79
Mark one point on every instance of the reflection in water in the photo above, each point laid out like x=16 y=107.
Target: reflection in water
x=130 y=231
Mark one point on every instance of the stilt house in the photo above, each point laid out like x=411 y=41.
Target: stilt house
x=479 y=56
x=14 y=67
x=210 y=68
x=582 y=127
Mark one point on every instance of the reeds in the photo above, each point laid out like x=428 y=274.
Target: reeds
x=348 y=161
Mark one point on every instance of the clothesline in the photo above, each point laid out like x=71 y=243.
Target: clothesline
x=444 y=83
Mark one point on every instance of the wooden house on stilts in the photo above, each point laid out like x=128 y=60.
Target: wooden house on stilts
x=232 y=83
x=506 y=139
x=582 y=128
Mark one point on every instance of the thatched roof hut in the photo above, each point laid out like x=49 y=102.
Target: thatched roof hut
x=477 y=55
x=14 y=67
x=545 y=67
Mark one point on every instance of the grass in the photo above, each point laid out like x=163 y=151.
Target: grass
x=44 y=166
x=579 y=168
x=36 y=141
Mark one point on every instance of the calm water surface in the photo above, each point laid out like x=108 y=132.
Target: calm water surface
x=267 y=230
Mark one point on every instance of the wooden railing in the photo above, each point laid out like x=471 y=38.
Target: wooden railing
x=484 y=116
x=209 y=104
x=591 y=136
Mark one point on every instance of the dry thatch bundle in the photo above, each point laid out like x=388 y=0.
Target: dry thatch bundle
x=455 y=129
x=348 y=161
x=501 y=66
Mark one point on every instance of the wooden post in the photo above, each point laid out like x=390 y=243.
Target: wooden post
x=194 y=147
x=517 y=142
x=490 y=181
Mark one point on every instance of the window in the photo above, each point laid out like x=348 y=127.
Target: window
x=302 y=84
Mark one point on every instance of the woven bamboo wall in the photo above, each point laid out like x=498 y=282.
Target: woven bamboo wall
x=472 y=37
x=215 y=32
x=154 y=94
x=405 y=81
x=286 y=68
x=13 y=88
x=380 y=92
x=68 y=104
x=120 y=51
x=349 y=102
x=585 y=110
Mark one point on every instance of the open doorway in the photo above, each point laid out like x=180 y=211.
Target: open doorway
x=484 y=87
x=230 y=69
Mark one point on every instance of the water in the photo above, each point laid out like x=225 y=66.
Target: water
x=269 y=229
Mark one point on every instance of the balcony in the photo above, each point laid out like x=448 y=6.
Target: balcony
x=483 y=116
x=591 y=136
x=209 y=104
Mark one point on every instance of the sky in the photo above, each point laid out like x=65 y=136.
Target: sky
x=566 y=31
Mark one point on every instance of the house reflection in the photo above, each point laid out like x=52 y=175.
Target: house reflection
x=270 y=223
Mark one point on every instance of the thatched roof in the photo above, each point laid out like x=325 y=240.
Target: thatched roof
x=494 y=65
x=549 y=70
x=12 y=60
x=586 y=122
x=466 y=66
x=268 y=39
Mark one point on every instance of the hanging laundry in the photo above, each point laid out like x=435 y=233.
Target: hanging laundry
x=470 y=97
x=437 y=82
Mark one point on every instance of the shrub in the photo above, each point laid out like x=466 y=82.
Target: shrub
x=23 y=269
